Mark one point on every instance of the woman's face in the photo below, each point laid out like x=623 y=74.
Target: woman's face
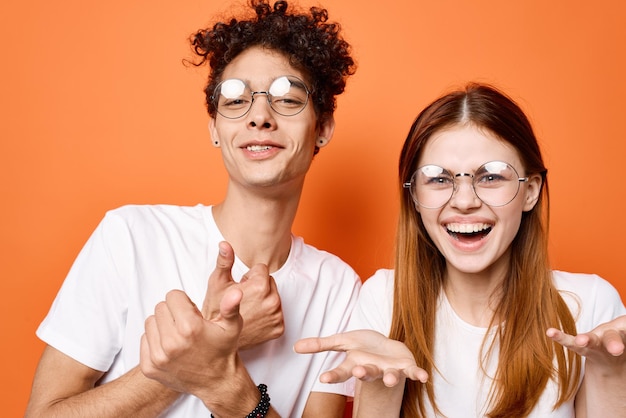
x=486 y=249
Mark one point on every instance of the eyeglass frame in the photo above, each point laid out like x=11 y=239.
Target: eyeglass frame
x=519 y=180
x=268 y=95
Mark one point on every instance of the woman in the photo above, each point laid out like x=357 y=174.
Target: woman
x=473 y=298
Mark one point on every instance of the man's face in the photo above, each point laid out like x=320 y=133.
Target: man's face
x=264 y=149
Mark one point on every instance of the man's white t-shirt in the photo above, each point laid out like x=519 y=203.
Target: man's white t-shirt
x=461 y=387
x=139 y=253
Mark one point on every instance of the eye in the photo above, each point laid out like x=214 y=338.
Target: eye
x=494 y=174
x=489 y=178
x=442 y=180
x=288 y=93
x=289 y=101
x=435 y=177
x=235 y=102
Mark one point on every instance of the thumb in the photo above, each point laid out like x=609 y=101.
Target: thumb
x=229 y=319
x=220 y=279
x=229 y=305
x=225 y=258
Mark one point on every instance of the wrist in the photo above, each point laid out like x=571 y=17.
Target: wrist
x=263 y=405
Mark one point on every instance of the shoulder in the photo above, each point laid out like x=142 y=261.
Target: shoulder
x=382 y=279
x=375 y=305
x=583 y=284
x=377 y=290
x=156 y=217
x=591 y=298
x=131 y=224
x=150 y=213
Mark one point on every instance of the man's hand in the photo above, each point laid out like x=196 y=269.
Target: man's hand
x=260 y=307
x=370 y=356
x=188 y=352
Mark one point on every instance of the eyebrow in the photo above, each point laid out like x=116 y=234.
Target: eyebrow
x=297 y=83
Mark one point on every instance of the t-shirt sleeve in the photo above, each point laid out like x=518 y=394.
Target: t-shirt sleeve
x=374 y=307
x=592 y=299
x=605 y=305
x=86 y=318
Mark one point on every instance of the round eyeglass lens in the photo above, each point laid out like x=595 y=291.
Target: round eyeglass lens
x=287 y=96
x=495 y=183
x=432 y=186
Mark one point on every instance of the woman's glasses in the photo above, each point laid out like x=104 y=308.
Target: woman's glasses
x=496 y=183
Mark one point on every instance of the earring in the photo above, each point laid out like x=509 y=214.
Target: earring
x=321 y=141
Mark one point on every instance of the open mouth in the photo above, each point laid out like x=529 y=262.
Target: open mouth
x=468 y=232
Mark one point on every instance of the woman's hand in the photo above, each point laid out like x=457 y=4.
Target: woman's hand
x=603 y=346
x=601 y=393
x=369 y=356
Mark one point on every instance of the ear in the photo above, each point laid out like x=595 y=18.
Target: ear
x=215 y=139
x=533 y=189
x=325 y=132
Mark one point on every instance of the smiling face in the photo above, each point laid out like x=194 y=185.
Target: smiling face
x=473 y=237
x=263 y=148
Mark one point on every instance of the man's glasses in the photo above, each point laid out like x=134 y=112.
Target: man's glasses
x=496 y=183
x=287 y=96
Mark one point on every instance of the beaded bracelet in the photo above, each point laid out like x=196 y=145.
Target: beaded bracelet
x=264 y=404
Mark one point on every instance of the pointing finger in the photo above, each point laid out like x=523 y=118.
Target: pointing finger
x=315 y=345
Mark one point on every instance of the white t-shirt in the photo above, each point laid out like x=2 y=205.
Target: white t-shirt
x=461 y=389
x=138 y=253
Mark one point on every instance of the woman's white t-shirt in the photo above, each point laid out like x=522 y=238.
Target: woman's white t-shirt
x=461 y=387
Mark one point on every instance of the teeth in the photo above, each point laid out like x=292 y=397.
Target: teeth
x=256 y=148
x=466 y=228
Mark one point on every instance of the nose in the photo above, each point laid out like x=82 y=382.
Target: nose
x=260 y=113
x=463 y=195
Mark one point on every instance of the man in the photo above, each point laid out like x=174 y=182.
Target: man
x=271 y=96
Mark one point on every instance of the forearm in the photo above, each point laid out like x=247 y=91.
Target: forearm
x=131 y=395
x=374 y=399
x=602 y=394
x=323 y=404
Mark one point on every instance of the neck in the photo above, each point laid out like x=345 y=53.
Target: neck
x=474 y=297
x=258 y=226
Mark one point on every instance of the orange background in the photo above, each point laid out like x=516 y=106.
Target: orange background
x=98 y=111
